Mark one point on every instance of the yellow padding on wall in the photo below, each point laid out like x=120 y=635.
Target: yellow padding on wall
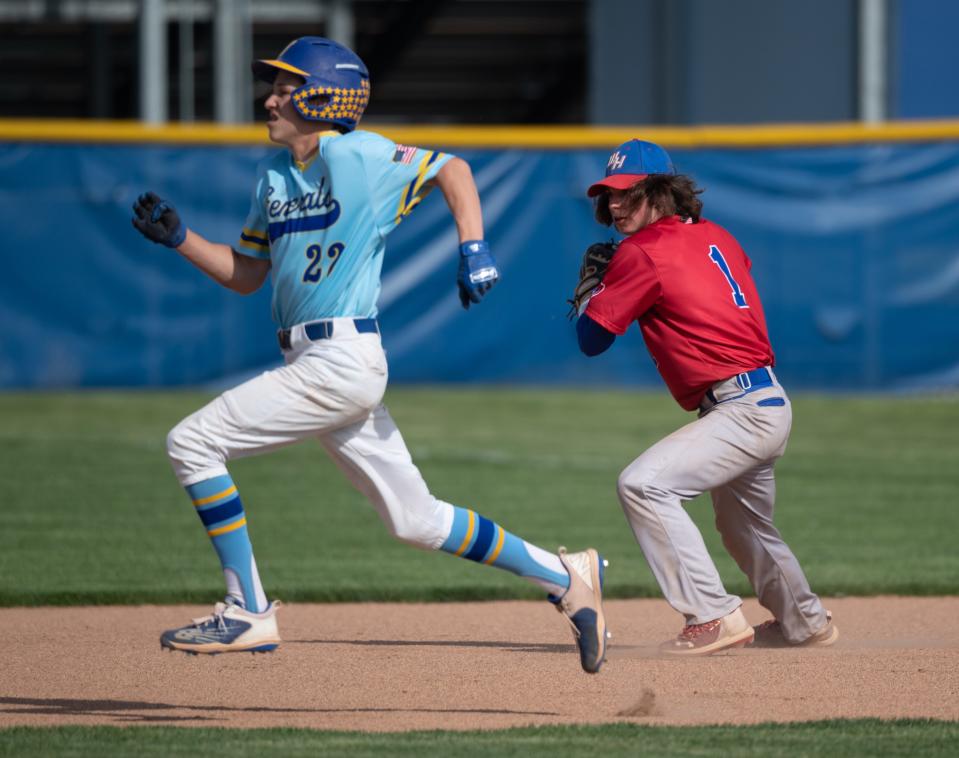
x=535 y=137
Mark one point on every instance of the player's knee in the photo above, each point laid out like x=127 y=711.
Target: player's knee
x=186 y=449
x=176 y=444
x=415 y=534
x=420 y=527
x=629 y=486
x=636 y=491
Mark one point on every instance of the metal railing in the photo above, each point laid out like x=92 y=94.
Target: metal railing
x=233 y=42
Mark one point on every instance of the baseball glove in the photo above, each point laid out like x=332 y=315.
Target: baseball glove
x=595 y=262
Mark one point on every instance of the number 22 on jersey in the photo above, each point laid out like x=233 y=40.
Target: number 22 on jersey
x=314 y=253
x=716 y=256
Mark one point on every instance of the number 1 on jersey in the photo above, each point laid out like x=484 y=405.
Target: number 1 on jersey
x=716 y=256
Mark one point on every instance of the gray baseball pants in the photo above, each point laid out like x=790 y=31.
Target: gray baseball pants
x=729 y=451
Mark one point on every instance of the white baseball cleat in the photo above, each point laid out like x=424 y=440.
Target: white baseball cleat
x=229 y=629
x=582 y=605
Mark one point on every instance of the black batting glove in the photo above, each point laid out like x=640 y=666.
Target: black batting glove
x=158 y=221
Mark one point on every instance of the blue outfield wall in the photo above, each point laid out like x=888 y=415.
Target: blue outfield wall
x=855 y=251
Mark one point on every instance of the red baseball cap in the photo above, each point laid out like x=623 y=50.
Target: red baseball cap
x=632 y=162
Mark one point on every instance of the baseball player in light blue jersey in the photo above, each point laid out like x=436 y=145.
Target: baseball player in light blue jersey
x=318 y=222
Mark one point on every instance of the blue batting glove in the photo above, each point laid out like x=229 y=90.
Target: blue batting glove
x=477 y=272
x=158 y=221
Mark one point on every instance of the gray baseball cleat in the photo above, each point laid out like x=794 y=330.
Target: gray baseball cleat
x=582 y=605
x=770 y=634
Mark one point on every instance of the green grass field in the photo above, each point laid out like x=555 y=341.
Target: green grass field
x=837 y=739
x=91 y=512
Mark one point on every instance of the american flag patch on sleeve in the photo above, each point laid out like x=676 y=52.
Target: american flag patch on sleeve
x=404 y=154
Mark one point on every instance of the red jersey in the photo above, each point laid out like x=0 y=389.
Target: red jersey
x=690 y=288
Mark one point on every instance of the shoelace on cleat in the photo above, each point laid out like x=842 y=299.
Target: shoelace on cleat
x=695 y=630
x=217 y=616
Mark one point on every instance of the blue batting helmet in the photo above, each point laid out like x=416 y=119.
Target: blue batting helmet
x=337 y=86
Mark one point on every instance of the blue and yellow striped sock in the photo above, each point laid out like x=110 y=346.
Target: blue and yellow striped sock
x=219 y=508
x=478 y=539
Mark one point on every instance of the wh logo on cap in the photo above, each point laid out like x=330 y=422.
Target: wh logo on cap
x=615 y=161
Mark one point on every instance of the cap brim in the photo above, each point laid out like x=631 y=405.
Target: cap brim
x=266 y=70
x=616 y=181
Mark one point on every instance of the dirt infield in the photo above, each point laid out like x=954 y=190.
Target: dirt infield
x=386 y=667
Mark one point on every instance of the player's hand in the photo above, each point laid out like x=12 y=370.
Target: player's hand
x=477 y=272
x=158 y=221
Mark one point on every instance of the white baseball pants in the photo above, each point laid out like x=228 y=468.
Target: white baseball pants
x=330 y=390
x=728 y=451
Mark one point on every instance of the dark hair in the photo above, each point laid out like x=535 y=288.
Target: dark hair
x=671 y=195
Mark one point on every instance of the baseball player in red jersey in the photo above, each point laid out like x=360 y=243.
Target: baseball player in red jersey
x=687 y=282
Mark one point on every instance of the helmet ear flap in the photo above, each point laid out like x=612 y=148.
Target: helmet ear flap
x=310 y=102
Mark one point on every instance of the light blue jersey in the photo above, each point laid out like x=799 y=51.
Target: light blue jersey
x=323 y=224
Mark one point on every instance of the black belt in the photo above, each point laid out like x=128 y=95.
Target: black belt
x=322 y=330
